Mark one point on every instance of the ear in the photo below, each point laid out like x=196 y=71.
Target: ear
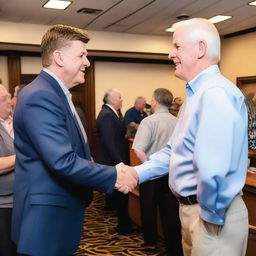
x=58 y=58
x=202 y=49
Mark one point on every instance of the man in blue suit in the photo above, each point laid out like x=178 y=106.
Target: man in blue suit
x=54 y=174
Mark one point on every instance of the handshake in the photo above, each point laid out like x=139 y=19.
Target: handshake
x=127 y=178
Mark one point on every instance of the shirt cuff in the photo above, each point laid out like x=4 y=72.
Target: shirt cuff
x=213 y=217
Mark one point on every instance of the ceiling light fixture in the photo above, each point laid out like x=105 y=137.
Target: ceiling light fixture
x=219 y=18
x=253 y=3
x=57 y=4
x=215 y=19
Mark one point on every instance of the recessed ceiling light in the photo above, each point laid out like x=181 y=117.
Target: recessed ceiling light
x=169 y=29
x=253 y=3
x=219 y=18
x=57 y=4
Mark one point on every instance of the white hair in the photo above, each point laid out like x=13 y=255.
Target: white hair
x=199 y=29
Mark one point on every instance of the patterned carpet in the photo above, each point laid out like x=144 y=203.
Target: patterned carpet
x=97 y=240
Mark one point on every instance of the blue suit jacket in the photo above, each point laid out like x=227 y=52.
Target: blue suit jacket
x=52 y=175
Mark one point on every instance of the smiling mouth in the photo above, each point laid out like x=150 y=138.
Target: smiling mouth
x=82 y=69
x=176 y=63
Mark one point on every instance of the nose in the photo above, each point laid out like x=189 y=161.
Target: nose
x=171 y=55
x=87 y=62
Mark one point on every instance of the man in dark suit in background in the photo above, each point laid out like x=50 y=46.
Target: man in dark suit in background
x=113 y=148
x=53 y=172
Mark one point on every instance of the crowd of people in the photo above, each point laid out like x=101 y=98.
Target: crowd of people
x=193 y=154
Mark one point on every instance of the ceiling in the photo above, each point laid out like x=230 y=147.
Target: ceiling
x=149 y=17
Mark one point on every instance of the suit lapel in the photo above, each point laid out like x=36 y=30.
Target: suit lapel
x=56 y=87
x=112 y=112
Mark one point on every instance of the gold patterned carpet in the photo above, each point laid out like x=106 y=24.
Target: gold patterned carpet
x=97 y=240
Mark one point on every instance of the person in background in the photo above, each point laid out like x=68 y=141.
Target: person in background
x=178 y=101
x=7 y=162
x=152 y=135
x=251 y=108
x=17 y=90
x=175 y=106
x=148 y=109
x=174 y=109
x=207 y=154
x=54 y=176
x=113 y=148
x=134 y=115
x=82 y=117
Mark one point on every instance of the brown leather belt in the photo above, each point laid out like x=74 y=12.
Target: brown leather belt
x=188 y=200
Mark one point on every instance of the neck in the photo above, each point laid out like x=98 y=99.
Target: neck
x=158 y=107
x=201 y=67
x=58 y=72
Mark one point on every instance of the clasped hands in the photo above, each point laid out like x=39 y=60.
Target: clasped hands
x=127 y=178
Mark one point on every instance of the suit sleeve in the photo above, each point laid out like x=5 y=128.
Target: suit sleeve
x=45 y=124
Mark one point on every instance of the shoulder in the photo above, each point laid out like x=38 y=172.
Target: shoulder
x=105 y=113
x=130 y=110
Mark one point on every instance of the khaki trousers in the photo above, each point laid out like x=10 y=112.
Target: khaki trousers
x=231 y=240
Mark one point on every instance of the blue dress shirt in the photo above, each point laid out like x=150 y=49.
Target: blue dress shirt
x=207 y=153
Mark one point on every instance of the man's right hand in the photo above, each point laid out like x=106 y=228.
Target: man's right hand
x=127 y=178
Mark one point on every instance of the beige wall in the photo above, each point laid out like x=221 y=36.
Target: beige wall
x=21 y=33
x=239 y=56
x=30 y=65
x=134 y=79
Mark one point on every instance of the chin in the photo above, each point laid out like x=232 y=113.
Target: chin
x=177 y=74
x=80 y=81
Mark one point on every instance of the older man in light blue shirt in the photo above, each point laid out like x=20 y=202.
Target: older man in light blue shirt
x=199 y=153
x=206 y=157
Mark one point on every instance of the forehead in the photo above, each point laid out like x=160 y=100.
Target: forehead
x=116 y=94
x=76 y=45
x=180 y=35
x=141 y=101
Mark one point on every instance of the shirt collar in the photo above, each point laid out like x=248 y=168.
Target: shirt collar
x=113 y=109
x=9 y=118
x=62 y=85
x=162 y=110
x=197 y=82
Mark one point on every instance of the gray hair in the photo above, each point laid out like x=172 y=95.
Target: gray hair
x=163 y=96
x=107 y=95
x=139 y=99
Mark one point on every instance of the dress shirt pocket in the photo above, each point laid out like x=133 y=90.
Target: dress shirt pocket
x=48 y=199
